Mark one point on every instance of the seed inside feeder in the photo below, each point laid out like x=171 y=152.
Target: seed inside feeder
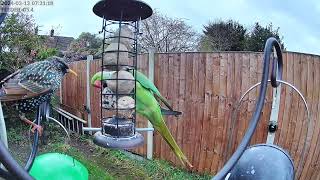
x=125 y=85
x=108 y=100
x=111 y=55
x=125 y=107
x=127 y=36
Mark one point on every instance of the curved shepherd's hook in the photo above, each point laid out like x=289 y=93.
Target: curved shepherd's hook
x=276 y=74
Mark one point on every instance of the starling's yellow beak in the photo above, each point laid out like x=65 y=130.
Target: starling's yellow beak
x=72 y=72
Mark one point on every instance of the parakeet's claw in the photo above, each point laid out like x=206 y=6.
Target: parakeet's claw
x=170 y=112
x=189 y=165
x=34 y=126
x=185 y=162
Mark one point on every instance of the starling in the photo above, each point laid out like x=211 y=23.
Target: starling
x=34 y=84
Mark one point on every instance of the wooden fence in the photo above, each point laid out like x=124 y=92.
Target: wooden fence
x=206 y=88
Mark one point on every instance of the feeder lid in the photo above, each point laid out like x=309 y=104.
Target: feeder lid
x=132 y=10
x=106 y=141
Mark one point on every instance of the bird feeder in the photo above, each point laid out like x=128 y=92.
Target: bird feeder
x=120 y=28
x=263 y=162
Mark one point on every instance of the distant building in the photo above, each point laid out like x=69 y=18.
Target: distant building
x=61 y=43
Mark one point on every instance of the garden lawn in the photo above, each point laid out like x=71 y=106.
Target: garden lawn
x=102 y=164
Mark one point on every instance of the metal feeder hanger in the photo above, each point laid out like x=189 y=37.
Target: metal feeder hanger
x=119 y=56
x=264 y=161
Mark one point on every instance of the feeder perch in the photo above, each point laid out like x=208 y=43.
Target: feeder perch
x=118 y=100
x=126 y=106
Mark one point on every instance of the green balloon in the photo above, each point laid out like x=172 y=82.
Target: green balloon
x=56 y=166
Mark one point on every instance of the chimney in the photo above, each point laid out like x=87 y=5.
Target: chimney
x=51 y=32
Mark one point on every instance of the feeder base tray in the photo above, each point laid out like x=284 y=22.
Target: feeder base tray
x=107 y=141
x=125 y=128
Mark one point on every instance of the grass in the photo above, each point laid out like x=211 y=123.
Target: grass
x=116 y=164
x=102 y=164
x=95 y=170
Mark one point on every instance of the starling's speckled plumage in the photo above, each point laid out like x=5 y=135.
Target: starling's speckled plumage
x=33 y=84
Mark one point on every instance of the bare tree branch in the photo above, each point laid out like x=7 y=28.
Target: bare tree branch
x=166 y=34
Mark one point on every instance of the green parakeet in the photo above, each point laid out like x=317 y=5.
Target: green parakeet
x=148 y=107
x=144 y=81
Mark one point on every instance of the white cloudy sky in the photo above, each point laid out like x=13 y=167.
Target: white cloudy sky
x=298 y=20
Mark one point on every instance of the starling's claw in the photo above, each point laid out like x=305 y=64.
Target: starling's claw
x=34 y=126
x=38 y=128
x=72 y=72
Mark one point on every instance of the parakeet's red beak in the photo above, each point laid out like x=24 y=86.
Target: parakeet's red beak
x=97 y=84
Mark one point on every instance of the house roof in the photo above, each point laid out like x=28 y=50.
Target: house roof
x=61 y=43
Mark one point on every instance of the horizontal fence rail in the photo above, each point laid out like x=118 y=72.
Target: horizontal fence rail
x=205 y=87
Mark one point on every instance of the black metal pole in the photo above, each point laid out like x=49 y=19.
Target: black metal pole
x=102 y=67
x=41 y=113
x=271 y=42
x=13 y=167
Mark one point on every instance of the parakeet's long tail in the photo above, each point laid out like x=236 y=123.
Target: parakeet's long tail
x=148 y=107
x=165 y=133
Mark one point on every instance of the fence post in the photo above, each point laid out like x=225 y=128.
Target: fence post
x=274 y=112
x=151 y=77
x=88 y=105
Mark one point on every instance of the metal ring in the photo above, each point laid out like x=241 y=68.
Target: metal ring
x=65 y=130
x=281 y=82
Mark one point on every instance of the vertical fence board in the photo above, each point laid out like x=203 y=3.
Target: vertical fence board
x=182 y=102
x=215 y=109
x=294 y=106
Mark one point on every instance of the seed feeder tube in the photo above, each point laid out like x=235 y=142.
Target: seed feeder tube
x=119 y=52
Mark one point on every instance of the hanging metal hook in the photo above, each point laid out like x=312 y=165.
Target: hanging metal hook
x=277 y=62
x=268 y=50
